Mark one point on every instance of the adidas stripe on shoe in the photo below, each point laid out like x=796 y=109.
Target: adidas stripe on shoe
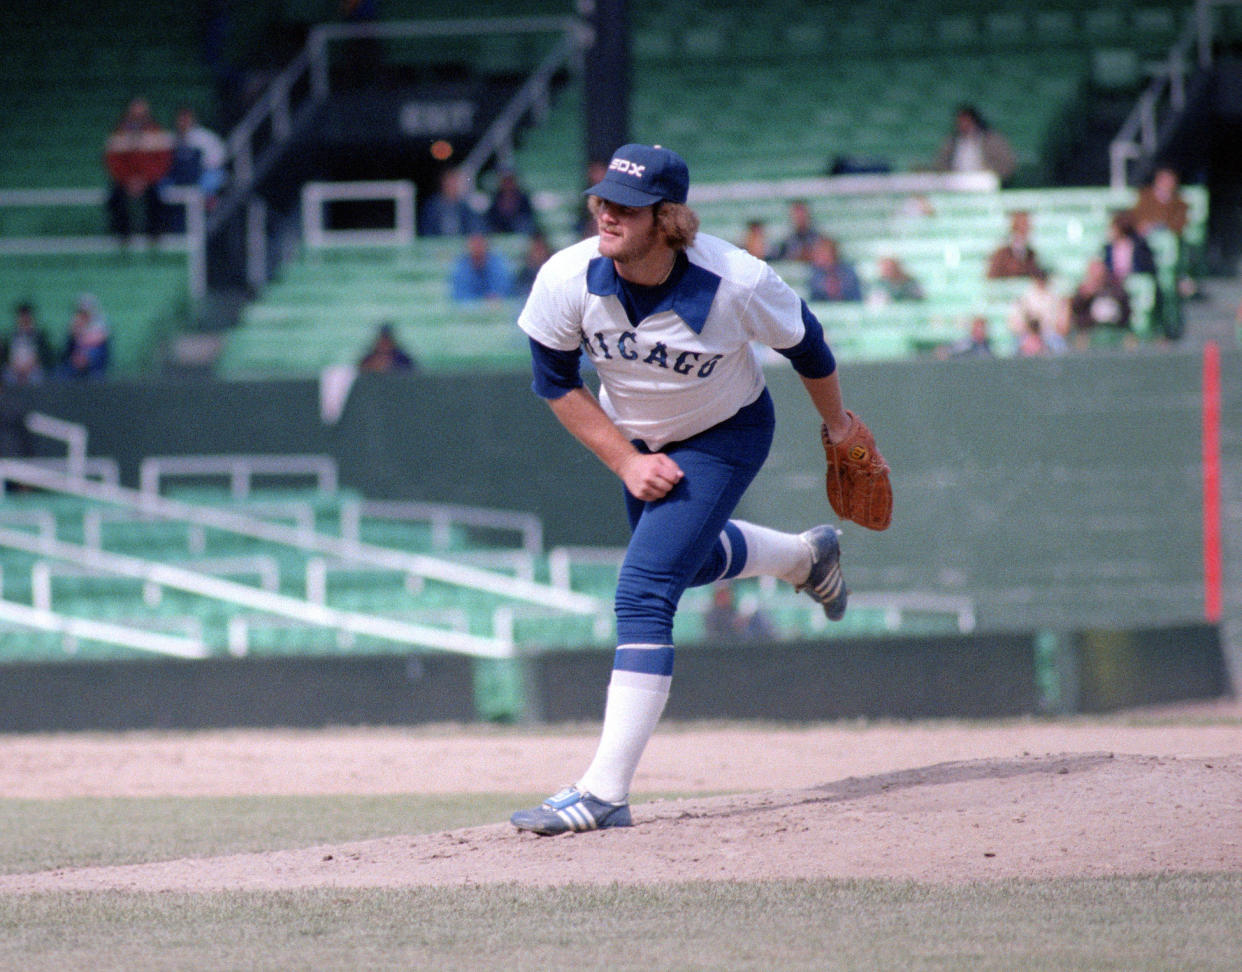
x=572 y=810
x=825 y=583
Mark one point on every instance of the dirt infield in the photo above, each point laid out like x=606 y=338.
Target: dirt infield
x=930 y=802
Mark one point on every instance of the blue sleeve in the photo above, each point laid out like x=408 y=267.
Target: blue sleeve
x=556 y=372
x=811 y=357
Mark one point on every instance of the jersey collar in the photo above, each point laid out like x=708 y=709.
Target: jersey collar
x=690 y=299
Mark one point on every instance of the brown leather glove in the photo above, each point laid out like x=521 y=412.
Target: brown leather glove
x=857 y=480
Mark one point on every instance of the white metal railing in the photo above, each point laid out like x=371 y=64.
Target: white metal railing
x=300 y=512
x=225 y=520
x=240 y=470
x=243 y=595
x=42 y=574
x=315 y=194
x=76 y=462
x=562 y=559
x=862 y=184
x=1165 y=97
x=306 y=82
x=533 y=96
x=442 y=517
x=193 y=241
x=107 y=632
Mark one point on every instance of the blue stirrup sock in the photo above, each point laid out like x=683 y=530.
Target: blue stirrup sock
x=771 y=553
x=635 y=703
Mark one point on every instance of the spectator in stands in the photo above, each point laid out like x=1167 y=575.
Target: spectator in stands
x=87 y=348
x=974 y=146
x=1160 y=208
x=1036 y=341
x=1160 y=204
x=893 y=284
x=1126 y=252
x=1015 y=257
x=802 y=234
x=199 y=157
x=755 y=240
x=538 y=249
x=137 y=155
x=725 y=621
x=1100 y=304
x=26 y=355
x=595 y=172
x=976 y=344
x=510 y=210
x=1043 y=304
x=481 y=273
x=447 y=212
x=385 y=353
x=832 y=278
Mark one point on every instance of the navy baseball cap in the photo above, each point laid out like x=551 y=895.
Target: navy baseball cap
x=642 y=175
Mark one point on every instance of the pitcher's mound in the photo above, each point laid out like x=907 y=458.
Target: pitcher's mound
x=1084 y=814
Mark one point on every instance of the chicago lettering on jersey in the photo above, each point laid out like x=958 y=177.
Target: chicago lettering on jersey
x=657 y=355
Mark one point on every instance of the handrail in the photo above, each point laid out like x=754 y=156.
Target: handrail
x=276 y=105
x=498 y=139
x=442 y=516
x=204 y=585
x=72 y=434
x=113 y=634
x=241 y=470
x=193 y=241
x=1139 y=135
x=418 y=564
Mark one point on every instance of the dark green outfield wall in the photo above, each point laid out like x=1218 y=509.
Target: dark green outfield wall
x=948 y=676
x=1058 y=494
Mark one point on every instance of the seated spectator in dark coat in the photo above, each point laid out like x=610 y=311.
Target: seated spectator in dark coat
x=1126 y=252
x=511 y=210
x=831 y=278
x=448 y=212
x=385 y=354
x=802 y=234
x=26 y=355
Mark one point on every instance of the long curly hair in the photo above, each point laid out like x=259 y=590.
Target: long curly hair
x=677 y=222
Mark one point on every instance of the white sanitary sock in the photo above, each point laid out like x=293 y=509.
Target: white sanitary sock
x=771 y=553
x=635 y=702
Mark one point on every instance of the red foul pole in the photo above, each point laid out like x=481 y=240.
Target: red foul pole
x=1211 y=483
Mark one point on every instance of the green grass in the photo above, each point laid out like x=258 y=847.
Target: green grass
x=44 y=834
x=1183 y=923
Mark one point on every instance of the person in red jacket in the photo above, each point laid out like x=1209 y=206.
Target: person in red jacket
x=137 y=155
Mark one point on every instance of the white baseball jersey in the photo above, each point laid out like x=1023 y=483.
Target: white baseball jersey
x=689 y=364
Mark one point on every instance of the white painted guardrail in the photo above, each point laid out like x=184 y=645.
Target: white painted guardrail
x=179 y=578
x=351 y=551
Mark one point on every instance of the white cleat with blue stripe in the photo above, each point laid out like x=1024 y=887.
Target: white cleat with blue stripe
x=572 y=811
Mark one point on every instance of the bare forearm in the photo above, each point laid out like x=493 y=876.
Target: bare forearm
x=648 y=476
x=581 y=414
x=826 y=397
